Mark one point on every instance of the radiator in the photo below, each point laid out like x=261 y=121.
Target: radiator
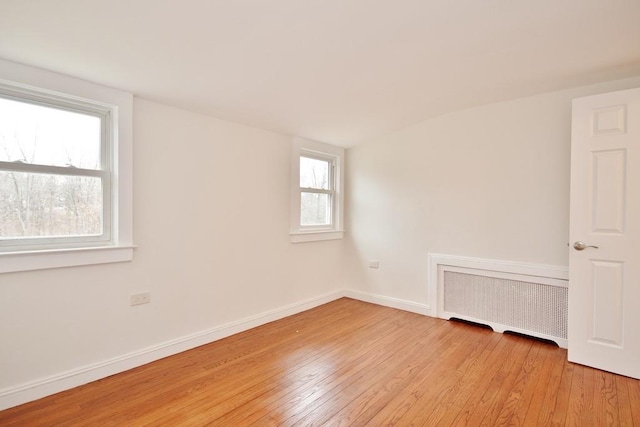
x=531 y=302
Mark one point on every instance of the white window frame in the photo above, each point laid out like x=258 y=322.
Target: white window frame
x=335 y=156
x=42 y=87
x=104 y=113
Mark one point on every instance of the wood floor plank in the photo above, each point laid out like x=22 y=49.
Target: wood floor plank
x=237 y=373
x=478 y=372
x=563 y=395
x=342 y=395
x=542 y=408
x=508 y=396
x=605 y=399
x=378 y=395
x=523 y=392
x=433 y=385
x=300 y=386
x=486 y=401
x=350 y=363
x=633 y=388
x=576 y=397
x=624 y=399
x=234 y=347
x=154 y=381
x=588 y=395
x=310 y=363
x=427 y=386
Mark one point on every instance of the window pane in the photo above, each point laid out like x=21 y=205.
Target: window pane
x=315 y=209
x=314 y=173
x=43 y=205
x=48 y=136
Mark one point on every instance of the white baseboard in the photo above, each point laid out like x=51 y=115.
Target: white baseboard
x=400 y=304
x=37 y=389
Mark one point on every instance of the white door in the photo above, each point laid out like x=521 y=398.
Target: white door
x=604 y=276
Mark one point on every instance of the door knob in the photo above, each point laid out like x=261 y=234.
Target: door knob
x=580 y=246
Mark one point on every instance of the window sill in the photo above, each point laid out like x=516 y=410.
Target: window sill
x=55 y=258
x=315 y=236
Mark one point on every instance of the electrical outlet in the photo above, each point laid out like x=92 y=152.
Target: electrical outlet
x=142 y=298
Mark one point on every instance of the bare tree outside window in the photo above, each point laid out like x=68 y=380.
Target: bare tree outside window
x=315 y=206
x=48 y=203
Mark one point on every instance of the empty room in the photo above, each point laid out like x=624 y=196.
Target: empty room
x=304 y=212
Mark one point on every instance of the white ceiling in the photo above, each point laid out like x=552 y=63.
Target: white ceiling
x=338 y=71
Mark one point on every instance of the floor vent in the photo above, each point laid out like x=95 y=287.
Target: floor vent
x=469 y=322
x=531 y=302
x=531 y=337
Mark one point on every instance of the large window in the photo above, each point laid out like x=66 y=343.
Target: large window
x=55 y=172
x=316 y=191
x=65 y=171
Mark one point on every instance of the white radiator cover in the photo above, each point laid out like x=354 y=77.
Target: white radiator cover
x=522 y=298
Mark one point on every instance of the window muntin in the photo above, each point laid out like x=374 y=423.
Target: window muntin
x=35 y=205
x=38 y=86
x=315 y=172
x=317 y=183
x=55 y=172
x=316 y=191
x=49 y=135
x=315 y=210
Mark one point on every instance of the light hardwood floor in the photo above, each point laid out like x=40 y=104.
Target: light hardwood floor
x=351 y=363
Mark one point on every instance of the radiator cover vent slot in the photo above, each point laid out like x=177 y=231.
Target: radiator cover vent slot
x=523 y=305
x=530 y=299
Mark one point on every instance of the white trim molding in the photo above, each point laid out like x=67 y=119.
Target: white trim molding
x=386 y=301
x=314 y=236
x=530 y=275
x=299 y=233
x=56 y=258
x=49 y=85
x=37 y=389
x=520 y=268
x=23 y=393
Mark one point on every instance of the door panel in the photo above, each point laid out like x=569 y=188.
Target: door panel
x=609 y=172
x=606 y=318
x=604 y=272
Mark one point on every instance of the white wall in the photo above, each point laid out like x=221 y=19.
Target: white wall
x=488 y=182
x=211 y=221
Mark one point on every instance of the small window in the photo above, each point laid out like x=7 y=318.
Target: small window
x=316 y=191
